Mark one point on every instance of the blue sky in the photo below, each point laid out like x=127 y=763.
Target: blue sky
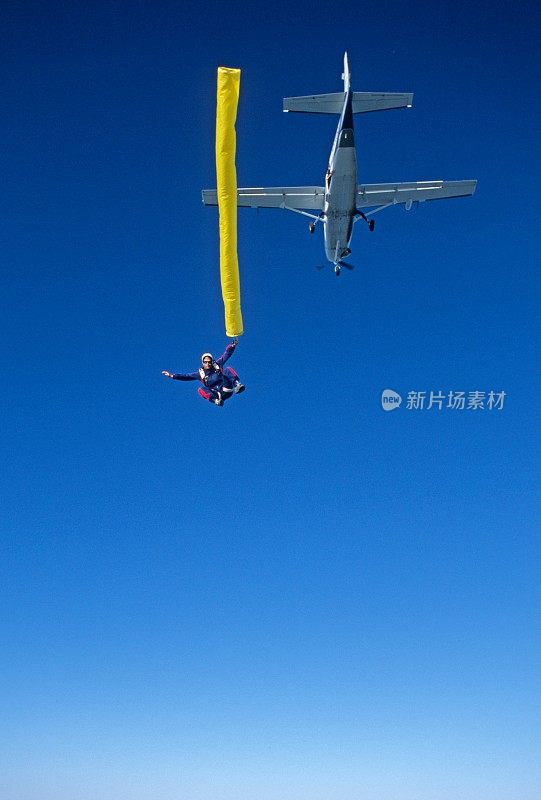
x=298 y=595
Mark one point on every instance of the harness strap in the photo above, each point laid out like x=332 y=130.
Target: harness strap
x=203 y=376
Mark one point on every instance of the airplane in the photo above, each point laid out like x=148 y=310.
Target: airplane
x=339 y=203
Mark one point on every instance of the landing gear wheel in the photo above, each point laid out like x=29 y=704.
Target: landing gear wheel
x=337 y=270
x=312 y=227
x=371 y=225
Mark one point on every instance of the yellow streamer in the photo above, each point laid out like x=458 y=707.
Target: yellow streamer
x=226 y=175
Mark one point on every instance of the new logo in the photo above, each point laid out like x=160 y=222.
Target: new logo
x=390 y=400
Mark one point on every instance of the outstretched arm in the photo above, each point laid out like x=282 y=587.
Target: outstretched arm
x=229 y=350
x=176 y=376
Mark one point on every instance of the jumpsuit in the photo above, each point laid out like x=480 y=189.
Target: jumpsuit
x=215 y=379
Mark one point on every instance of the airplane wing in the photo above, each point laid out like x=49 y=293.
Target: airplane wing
x=379 y=194
x=308 y=197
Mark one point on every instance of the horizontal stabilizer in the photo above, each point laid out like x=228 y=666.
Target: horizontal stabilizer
x=316 y=103
x=306 y=197
x=362 y=102
x=380 y=101
x=379 y=194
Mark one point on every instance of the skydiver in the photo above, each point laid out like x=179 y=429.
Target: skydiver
x=219 y=383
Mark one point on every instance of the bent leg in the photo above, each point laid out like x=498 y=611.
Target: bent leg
x=207 y=394
x=230 y=376
x=233 y=380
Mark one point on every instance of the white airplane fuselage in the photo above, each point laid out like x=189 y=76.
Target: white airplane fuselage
x=341 y=186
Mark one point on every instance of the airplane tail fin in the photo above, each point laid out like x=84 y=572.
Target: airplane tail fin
x=346 y=77
x=333 y=103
